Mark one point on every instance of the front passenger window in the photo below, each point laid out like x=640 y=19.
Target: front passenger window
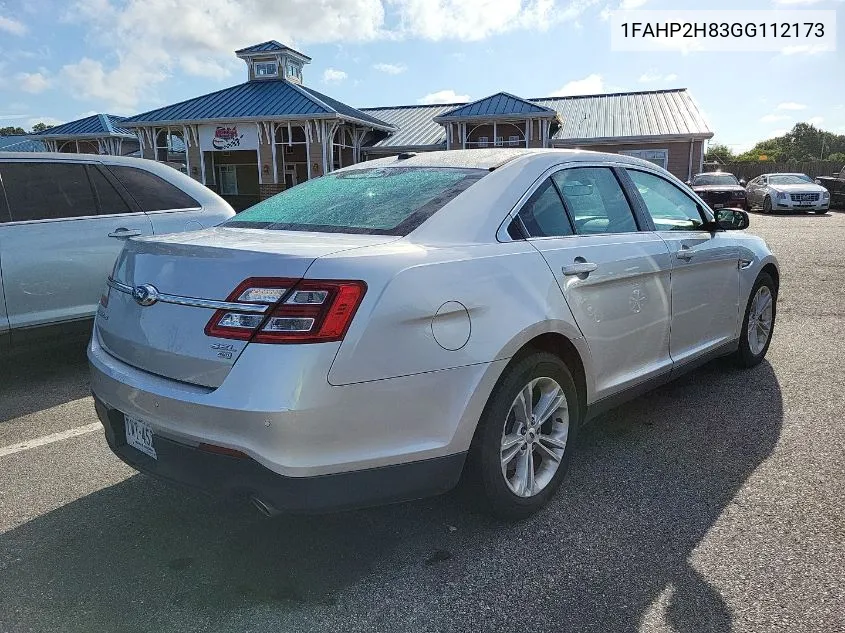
x=669 y=207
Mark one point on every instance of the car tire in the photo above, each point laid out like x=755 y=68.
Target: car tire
x=544 y=448
x=767 y=205
x=759 y=317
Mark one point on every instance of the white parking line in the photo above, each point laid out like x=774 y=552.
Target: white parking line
x=49 y=439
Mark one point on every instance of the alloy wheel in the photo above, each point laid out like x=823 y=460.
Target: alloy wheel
x=534 y=437
x=760 y=319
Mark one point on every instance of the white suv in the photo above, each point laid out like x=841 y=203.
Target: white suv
x=64 y=219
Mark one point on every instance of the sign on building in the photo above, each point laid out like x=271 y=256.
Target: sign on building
x=228 y=137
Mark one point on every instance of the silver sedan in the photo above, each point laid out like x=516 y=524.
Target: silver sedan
x=787 y=192
x=379 y=333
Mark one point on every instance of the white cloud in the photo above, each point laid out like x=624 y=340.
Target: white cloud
x=48 y=120
x=627 y=5
x=120 y=88
x=473 y=20
x=32 y=82
x=143 y=42
x=333 y=75
x=653 y=76
x=10 y=25
x=11 y=117
x=806 y=49
x=791 y=105
x=589 y=85
x=443 y=96
x=794 y=2
x=773 y=118
x=778 y=132
x=816 y=120
x=391 y=69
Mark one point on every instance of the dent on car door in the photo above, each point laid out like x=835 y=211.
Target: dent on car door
x=614 y=277
x=705 y=268
x=68 y=223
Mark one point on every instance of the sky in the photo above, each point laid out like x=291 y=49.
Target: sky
x=61 y=60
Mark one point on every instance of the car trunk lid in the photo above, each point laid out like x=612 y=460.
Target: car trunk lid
x=160 y=327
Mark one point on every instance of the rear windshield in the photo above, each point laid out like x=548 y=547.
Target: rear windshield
x=375 y=201
x=714 y=179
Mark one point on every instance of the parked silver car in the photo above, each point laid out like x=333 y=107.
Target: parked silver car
x=63 y=220
x=787 y=192
x=372 y=335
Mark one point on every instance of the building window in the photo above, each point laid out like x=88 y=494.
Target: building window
x=228 y=180
x=294 y=70
x=499 y=142
x=659 y=157
x=513 y=141
x=266 y=69
x=482 y=141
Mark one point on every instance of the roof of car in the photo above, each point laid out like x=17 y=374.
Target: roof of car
x=61 y=156
x=487 y=158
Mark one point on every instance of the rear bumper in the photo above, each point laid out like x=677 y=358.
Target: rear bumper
x=244 y=478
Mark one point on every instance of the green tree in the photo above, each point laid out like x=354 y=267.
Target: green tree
x=719 y=152
x=11 y=131
x=40 y=127
x=803 y=142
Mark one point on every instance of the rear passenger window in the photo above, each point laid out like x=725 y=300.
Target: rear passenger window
x=47 y=191
x=108 y=197
x=596 y=200
x=543 y=214
x=151 y=192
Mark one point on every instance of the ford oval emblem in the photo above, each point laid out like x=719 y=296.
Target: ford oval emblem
x=145 y=295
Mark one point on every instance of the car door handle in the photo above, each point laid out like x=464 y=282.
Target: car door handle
x=579 y=268
x=123 y=233
x=685 y=254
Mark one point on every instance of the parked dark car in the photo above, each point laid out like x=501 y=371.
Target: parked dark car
x=720 y=189
x=836 y=186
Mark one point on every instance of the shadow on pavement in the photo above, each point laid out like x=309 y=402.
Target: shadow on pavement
x=610 y=554
x=48 y=378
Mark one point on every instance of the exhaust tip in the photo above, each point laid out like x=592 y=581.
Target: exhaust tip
x=264 y=508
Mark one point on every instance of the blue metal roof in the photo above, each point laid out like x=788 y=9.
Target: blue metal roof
x=20 y=144
x=91 y=126
x=271 y=46
x=343 y=109
x=499 y=104
x=267 y=98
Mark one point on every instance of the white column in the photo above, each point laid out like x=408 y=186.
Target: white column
x=495 y=134
x=273 y=151
x=258 y=153
x=186 y=140
x=308 y=147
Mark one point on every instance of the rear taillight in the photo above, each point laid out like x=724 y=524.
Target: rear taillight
x=303 y=311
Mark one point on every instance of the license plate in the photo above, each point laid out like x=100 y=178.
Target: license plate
x=718 y=206
x=139 y=435
x=805 y=204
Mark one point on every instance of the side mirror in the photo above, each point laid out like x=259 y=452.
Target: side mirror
x=731 y=219
x=742 y=182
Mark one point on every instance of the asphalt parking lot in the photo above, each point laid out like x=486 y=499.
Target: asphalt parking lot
x=713 y=504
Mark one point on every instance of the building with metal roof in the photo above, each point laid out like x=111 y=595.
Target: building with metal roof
x=254 y=139
x=663 y=126
x=95 y=134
